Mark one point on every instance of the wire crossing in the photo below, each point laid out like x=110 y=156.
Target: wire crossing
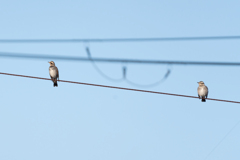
x=122 y=88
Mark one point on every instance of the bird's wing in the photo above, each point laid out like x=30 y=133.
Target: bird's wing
x=57 y=73
x=207 y=91
x=198 y=91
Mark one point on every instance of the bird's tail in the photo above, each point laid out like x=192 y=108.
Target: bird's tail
x=55 y=83
x=203 y=99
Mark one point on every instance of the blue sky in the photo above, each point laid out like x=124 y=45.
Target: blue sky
x=39 y=121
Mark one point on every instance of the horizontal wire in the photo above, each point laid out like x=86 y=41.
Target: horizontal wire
x=114 y=60
x=122 y=88
x=118 y=39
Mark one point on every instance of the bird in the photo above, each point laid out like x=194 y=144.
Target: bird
x=202 y=91
x=53 y=72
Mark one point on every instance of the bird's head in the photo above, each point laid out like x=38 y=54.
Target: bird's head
x=51 y=63
x=201 y=83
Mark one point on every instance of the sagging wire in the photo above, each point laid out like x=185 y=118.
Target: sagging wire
x=150 y=85
x=98 y=69
x=124 y=71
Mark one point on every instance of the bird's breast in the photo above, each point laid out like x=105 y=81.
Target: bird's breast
x=202 y=91
x=53 y=72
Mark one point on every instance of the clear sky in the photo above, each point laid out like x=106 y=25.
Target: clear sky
x=38 y=121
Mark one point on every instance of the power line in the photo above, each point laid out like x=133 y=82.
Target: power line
x=99 y=70
x=122 y=88
x=124 y=77
x=152 y=84
x=101 y=40
x=114 y=60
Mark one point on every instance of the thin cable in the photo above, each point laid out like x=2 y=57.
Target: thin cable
x=122 y=88
x=150 y=85
x=106 y=76
x=101 y=40
x=222 y=140
x=112 y=60
x=99 y=70
x=124 y=74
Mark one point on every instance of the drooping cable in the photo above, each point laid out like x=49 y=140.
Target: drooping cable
x=150 y=85
x=99 y=70
x=124 y=78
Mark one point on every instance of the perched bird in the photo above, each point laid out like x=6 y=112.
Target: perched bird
x=202 y=91
x=54 y=74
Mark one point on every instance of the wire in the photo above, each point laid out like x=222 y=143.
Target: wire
x=222 y=139
x=101 y=40
x=112 y=60
x=99 y=70
x=124 y=77
x=122 y=88
x=106 y=76
x=153 y=84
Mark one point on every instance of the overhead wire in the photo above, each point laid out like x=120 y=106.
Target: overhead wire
x=101 y=40
x=121 y=88
x=99 y=70
x=114 y=60
x=152 y=84
x=124 y=77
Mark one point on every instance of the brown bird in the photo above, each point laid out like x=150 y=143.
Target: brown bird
x=54 y=74
x=202 y=91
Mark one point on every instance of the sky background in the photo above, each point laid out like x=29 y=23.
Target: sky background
x=39 y=121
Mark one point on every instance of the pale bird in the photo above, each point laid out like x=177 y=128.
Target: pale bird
x=202 y=91
x=54 y=74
